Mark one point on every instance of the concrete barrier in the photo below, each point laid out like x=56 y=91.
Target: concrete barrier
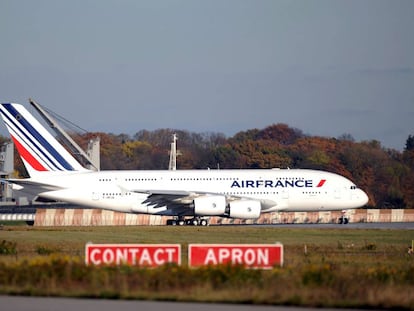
x=96 y=217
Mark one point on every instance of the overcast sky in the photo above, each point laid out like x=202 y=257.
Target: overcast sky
x=325 y=67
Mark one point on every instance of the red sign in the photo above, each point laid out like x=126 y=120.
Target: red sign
x=148 y=255
x=263 y=256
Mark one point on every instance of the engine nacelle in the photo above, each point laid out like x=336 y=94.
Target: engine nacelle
x=246 y=209
x=210 y=205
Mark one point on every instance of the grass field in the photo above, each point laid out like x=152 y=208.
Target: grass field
x=322 y=267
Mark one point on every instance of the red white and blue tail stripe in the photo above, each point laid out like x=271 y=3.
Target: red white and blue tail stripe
x=39 y=150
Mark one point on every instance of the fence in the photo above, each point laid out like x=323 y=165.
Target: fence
x=96 y=217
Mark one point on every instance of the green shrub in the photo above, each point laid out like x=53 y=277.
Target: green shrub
x=370 y=246
x=44 y=250
x=8 y=248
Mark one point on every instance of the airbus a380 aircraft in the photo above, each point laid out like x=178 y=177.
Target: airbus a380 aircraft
x=195 y=193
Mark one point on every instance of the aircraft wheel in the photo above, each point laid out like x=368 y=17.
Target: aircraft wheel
x=181 y=222
x=343 y=220
x=203 y=222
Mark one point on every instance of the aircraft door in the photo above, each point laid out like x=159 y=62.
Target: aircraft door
x=95 y=195
x=337 y=193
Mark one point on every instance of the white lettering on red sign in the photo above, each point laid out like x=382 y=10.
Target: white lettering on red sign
x=150 y=255
x=263 y=256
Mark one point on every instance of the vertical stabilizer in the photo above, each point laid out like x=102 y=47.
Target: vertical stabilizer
x=38 y=149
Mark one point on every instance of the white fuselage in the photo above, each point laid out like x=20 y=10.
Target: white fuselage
x=277 y=190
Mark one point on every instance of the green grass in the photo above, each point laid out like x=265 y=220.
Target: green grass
x=322 y=267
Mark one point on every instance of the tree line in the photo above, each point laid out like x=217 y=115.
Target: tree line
x=387 y=175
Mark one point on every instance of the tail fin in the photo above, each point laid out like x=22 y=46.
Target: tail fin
x=38 y=149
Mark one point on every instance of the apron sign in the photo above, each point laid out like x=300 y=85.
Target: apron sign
x=261 y=256
x=147 y=255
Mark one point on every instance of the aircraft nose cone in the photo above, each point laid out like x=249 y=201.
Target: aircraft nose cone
x=360 y=198
x=363 y=198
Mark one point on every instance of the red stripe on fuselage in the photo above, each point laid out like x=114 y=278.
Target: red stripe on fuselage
x=27 y=156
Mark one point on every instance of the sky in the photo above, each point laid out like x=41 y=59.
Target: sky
x=326 y=67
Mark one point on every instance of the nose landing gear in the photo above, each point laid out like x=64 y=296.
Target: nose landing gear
x=343 y=220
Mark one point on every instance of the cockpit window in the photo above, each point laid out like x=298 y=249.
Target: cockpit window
x=353 y=187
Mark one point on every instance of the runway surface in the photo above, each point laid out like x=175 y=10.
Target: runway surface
x=356 y=225
x=11 y=303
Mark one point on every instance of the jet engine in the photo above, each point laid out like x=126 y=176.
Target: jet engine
x=210 y=205
x=246 y=209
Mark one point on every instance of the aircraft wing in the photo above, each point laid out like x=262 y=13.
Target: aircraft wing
x=185 y=203
x=177 y=202
x=177 y=193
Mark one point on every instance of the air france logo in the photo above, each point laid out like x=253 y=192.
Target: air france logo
x=300 y=183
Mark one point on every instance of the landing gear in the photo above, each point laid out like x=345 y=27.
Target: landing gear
x=192 y=222
x=343 y=220
x=181 y=221
x=203 y=222
x=171 y=222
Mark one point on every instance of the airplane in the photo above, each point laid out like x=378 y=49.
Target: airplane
x=198 y=194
